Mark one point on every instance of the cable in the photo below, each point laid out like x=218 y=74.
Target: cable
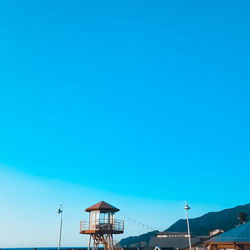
x=137 y=223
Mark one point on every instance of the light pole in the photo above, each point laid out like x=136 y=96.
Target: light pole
x=189 y=236
x=60 y=212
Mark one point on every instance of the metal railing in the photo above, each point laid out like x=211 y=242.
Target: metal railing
x=114 y=225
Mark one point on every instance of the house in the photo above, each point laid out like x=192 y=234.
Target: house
x=177 y=240
x=237 y=238
x=216 y=232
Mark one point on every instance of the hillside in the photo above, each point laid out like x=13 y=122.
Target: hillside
x=134 y=241
x=225 y=219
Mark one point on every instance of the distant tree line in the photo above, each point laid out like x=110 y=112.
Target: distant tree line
x=242 y=217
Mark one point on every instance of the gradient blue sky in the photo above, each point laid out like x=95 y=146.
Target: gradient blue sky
x=143 y=104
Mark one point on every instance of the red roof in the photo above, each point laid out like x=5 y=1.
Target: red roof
x=102 y=206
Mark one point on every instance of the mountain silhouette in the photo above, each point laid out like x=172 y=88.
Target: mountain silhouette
x=200 y=226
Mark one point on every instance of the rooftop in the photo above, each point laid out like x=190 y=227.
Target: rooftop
x=238 y=234
x=173 y=242
x=103 y=207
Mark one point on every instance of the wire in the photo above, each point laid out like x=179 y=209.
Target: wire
x=137 y=223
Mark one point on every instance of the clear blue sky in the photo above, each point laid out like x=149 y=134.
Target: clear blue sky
x=143 y=104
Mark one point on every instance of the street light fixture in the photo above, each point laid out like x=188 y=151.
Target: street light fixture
x=189 y=235
x=60 y=212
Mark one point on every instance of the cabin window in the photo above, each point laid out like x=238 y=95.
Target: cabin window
x=94 y=217
x=112 y=216
x=104 y=217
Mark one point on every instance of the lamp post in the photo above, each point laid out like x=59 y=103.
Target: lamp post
x=60 y=212
x=189 y=236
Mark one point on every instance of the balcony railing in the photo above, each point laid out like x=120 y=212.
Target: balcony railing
x=101 y=225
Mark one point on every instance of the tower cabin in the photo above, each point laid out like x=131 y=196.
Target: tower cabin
x=102 y=225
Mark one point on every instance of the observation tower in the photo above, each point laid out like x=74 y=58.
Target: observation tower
x=102 y=225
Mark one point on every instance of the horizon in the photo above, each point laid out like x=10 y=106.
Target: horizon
x=142 y=104
x=85 y=246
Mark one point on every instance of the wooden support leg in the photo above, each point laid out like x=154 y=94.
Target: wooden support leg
x=93 y=248
x=89 y=241
x=112 y=242
x=108 y=238
x=105 y=239
x=94 y=242
x=98 y=242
